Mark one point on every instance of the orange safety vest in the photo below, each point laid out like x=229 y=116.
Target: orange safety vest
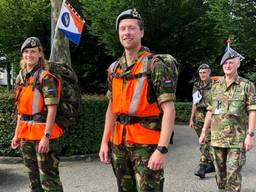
x=30 y=101
x=129 y=97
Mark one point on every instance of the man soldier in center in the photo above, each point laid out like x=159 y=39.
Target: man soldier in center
x=201 y=95
x=140 y=117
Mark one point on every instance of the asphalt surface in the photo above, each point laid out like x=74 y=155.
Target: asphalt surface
x=92 y=176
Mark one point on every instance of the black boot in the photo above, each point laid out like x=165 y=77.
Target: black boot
x=210 y=168
x=201 y=171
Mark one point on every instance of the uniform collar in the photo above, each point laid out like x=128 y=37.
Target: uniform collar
x=139 y=54
x=236 y=80
x=27 y=74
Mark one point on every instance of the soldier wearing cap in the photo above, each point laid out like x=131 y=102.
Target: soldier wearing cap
x=201 y=95
x=231 y=116
x=37 y=134
x=139 y=128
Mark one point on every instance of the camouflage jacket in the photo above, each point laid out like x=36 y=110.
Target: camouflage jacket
x=202 y=104
x=49 y=86
x=163 y=90
x=229 y=107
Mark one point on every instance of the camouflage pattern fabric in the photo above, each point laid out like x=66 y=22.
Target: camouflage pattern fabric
x=43 y=168
x=228 y=163
x=204 y=90
x=164 y=76
x=70 y=98
x=163 y=84
x=130 y=166
x=130 y=161
x=229 y=106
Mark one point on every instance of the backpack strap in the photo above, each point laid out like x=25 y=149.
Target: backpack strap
x=126 y=75
x=21 y=83
x=36 y=77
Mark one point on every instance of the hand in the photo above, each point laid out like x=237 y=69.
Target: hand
x=15 y=142
x=248 y=143
x=156 y=161
x=191 y=124
x=43 y=146
x=201 y=139
x=103 y=154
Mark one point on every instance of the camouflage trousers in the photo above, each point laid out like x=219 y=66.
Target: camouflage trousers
x=228 y=164
x=43 y=168
x=205 y=148
x=130 y=167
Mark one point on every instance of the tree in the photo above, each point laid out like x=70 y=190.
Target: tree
x=193 y=31
x=60 y=45
x=19 y=20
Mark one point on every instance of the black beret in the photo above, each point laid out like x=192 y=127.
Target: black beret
x=230 y=54
x=128 y=14
x=30 y=43
x=203 y=66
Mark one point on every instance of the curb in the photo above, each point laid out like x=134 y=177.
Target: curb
x=86 y=158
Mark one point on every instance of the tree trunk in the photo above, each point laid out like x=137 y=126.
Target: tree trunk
x=60 y=44
x=8 y=71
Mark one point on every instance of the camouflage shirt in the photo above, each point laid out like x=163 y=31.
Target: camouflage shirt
x=164 y=91
x=201 y=106
x=49 y=86
x=229 y=107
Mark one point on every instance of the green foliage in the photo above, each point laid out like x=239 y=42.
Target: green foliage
x=6 y=123
x=183 y=110
x=85 y=136
x=20 y=19
x=193 y=31
x=82 y=138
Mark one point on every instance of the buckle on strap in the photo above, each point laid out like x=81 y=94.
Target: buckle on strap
x=125 y=119
x=37 y=117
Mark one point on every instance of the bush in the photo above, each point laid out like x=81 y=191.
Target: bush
x=82 y=138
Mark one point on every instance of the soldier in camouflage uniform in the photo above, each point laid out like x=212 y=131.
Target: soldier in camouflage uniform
x=36 y=131
x=138 y=129
x=201 y=95
x=231 y=114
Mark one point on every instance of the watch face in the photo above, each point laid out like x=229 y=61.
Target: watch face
x=47 y=135
x=162 y=149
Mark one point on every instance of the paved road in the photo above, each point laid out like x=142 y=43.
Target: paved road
x=92 y=176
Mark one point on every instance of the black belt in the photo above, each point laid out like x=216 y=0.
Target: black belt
x=126 y=119
x=36 y=117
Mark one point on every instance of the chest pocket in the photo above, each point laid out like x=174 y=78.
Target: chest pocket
x=236 y=105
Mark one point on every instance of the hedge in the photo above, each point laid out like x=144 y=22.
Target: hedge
x=83 y=138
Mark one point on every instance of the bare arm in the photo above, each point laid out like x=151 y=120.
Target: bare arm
x=15 y=140
x=157 y=159
x=43 y=146
x=109 y=123
x=167 y=123
x=207 y=123
x=192 y=116
x=248 y=143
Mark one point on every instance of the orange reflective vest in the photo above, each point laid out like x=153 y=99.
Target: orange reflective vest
x=129 y=97
x=30 y=101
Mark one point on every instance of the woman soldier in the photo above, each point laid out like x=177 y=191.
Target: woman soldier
x=37 y=98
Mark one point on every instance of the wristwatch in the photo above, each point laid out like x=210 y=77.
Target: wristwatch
x=251 y=134
x=162 y=149
x=47 y=135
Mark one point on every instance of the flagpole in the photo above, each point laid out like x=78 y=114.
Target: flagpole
x=228 y=43
x=55 y=32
